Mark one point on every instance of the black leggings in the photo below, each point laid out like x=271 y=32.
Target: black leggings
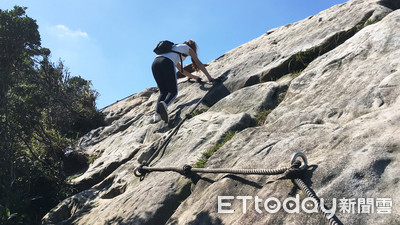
x=164 y=74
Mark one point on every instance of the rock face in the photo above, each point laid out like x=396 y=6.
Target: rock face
x=340 y=71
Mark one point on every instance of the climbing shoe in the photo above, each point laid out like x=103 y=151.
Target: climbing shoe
x=162 y=108
x=156 y=118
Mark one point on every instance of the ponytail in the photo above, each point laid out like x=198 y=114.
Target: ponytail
x=192 y=44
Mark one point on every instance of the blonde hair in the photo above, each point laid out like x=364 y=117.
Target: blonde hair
x=192 y=44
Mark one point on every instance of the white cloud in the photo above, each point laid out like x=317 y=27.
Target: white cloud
x=64 y=31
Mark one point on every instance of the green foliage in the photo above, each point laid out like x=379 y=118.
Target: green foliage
x=262 y=116
x=282 y=96
x=296 y=74
x=200 y=163
x=206 y=155
x=303 y=58
x=93 y=158
x=364 y=24
x=43 y=109
x=74 y=176
x=197 y=112
x=19 y=40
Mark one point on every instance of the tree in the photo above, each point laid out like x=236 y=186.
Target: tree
x=43 y=109
x=19 y=40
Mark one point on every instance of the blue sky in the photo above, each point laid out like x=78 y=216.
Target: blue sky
x=110 y=42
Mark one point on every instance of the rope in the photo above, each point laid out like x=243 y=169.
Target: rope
x=188 y=170
x=295 y=172
x=310 y=193
x=290 y=172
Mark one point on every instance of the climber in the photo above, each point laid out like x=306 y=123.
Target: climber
x=165 y=75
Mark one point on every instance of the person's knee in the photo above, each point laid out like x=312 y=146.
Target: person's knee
x=171 y=96
x=174 y=93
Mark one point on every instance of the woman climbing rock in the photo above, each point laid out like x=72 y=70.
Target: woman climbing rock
x=164 y=73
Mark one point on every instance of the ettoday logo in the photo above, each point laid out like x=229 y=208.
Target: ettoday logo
x=274 y=205
x=307 y=205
